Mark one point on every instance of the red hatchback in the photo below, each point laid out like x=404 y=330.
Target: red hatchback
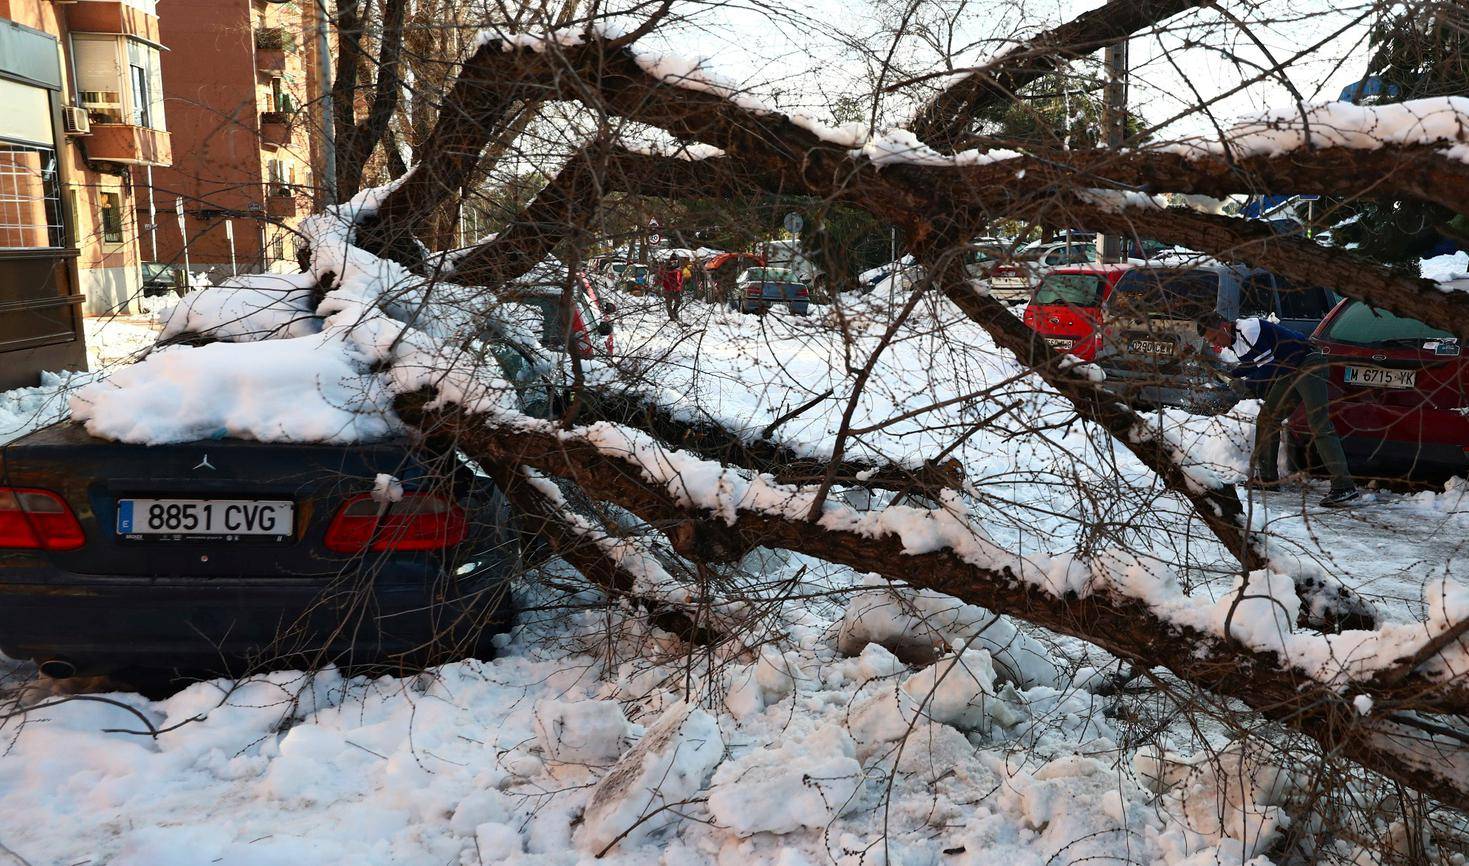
x=1066 y=308
x=1399 y=395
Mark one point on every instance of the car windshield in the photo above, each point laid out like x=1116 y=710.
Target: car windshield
x=1171 y=294
x=1080 y=290
x=769 y=275
x=1365 y=325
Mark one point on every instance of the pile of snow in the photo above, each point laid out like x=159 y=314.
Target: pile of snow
x=581 y=732
x=644 y=791
x=309 y=389
x=25 y=409
x=920 y=624
x=246 y=308
x=799 y=784
x=1450 y=271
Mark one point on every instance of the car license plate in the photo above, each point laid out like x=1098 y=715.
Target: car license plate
x=215 y=519
x=1150 y=347
x=1065 y=343
x=1380 y=377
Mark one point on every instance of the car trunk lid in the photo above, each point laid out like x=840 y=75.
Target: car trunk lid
x=94 y=475
x=1377 y=357
x=1066 y=310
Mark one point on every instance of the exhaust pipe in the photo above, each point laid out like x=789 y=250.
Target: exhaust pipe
x=58 y=669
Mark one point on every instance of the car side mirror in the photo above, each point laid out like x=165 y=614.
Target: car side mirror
x=604 y=329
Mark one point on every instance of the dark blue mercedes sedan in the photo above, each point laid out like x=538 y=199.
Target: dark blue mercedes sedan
x=223 y=556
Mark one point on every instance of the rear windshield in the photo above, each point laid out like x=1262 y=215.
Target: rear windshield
x=1175 y=294
x=1079 y=290
x=770 y=275
x=1365 y=325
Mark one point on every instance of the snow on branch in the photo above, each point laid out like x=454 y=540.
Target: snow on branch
x=1241 y=645
x=1441 y=121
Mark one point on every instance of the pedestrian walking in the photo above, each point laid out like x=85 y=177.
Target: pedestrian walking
x=1279 y=366
x=672 y=281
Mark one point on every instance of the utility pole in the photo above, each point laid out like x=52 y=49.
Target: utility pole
x=1114 y=122
x=328 y=121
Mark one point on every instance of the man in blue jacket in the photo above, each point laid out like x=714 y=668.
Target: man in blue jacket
x=1279 y=366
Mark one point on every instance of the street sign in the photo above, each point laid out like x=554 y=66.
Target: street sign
x=178 y=208
x=654 y=239
x=794 y=223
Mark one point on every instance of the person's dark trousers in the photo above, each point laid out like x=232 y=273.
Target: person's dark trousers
x=670 y=303
x=1305 y=385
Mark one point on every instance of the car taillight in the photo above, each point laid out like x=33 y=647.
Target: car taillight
x=419 y=521
x=752 y=292
x=803 y=293
x=37 y=520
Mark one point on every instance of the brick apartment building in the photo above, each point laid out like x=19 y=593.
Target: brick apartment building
x=83 y=121
x=242 y=93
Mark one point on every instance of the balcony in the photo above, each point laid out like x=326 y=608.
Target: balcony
x=275 y=128
x=129 y=144
x=111 y=16
x=281 y=203
x=272 y=44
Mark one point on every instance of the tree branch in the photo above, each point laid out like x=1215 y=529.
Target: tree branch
x=1123 y=625
x=943 y=120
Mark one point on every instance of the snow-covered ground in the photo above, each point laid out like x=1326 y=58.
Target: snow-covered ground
x=576 y=738
x=588 y=735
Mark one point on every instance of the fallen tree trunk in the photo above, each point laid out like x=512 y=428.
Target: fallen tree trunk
x=649 y=485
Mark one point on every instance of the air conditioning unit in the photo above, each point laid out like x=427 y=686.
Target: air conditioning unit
x=75 y=121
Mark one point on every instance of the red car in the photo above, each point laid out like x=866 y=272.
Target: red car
x=1399 y=395
x=586 y=321
x=1066 y=308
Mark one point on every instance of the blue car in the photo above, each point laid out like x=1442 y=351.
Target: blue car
x=759 y=289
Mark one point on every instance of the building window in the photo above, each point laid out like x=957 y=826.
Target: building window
x=119 y=80
x=281 y=176
x=30 y=197
x=146 y=82
x=111 y=217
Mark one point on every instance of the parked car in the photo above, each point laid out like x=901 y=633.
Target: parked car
x=162 y=279
x=631 y=277
x=1012 y=280
x=223 y=556
x=588 y=322
x=1151 y=350
x=759 y=289
x=1066 y=308
x=984 y=257
x=1399 y=396
x=720 y=274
